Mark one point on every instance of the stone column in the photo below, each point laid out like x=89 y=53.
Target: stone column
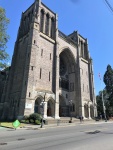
x=95 y=111
x=57 y=72
x=44 y=22
x=89 y=112
x=81 y=111
x=45 y=109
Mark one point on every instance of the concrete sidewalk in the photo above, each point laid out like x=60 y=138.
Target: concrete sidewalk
x=29 y=126
x=57 y=125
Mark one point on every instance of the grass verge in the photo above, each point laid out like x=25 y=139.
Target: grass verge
x=9 y=124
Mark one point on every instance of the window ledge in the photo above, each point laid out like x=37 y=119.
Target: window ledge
x=46 y=37
x=84 y=60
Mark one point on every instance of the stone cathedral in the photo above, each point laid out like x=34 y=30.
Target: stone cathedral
x=49 y=68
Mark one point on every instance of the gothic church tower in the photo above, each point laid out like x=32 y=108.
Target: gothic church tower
x=49 y=67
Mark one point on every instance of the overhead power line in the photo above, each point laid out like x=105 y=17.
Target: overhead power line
x=109 y=5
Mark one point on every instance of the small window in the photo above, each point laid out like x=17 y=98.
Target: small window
x=50 y=56
x=41 y=52
x=31 y=67
x=49 y=76
x=29 y=94
x=34 y=42
x=40 y=73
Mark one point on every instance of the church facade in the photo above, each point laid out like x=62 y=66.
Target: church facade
x=48 y=69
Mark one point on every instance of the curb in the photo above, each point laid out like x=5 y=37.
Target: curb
x=60 y=126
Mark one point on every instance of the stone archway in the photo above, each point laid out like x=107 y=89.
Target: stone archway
x=67 y=65
x=86 y=111
x=37 y=108
x=50 y=108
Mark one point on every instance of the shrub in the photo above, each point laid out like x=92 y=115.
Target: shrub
x=23 y=121
x=35 y=116
x=26 y=117
x=27 y=121
x=31 y=121
x=37 y=122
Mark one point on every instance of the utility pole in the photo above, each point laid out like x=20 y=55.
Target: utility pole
x=104 y=108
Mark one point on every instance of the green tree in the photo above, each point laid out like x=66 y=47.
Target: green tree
x=99 y=103
x=3 y=39
x=108 y=80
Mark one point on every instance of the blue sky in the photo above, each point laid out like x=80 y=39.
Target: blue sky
x=91 y=18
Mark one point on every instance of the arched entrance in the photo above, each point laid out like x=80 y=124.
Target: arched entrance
x=86 y=111
x=67 y=80
x=91 y=111
x=67 y=66
x=37 y=108
x=50 y=108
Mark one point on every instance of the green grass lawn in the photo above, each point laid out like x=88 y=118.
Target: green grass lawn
x=9 y=124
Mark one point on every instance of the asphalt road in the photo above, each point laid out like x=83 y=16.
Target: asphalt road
x=79 y=137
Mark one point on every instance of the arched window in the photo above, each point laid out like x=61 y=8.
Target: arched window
x=52 y=28
x=42 y=20
x=47 y=25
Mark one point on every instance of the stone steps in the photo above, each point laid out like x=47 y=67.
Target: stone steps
x=64 y=120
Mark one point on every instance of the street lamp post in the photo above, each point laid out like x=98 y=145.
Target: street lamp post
x=42 y=112
x=70 y=104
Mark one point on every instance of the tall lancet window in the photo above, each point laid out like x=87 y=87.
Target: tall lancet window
x=42 y=20
x=52 y=28
x=47 y=25
x=85 y=51
x=24 y=25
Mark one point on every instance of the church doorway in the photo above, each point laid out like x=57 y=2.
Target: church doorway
x=86 y=111
x=91 y=111
x=50 y=108
x=37 y=107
